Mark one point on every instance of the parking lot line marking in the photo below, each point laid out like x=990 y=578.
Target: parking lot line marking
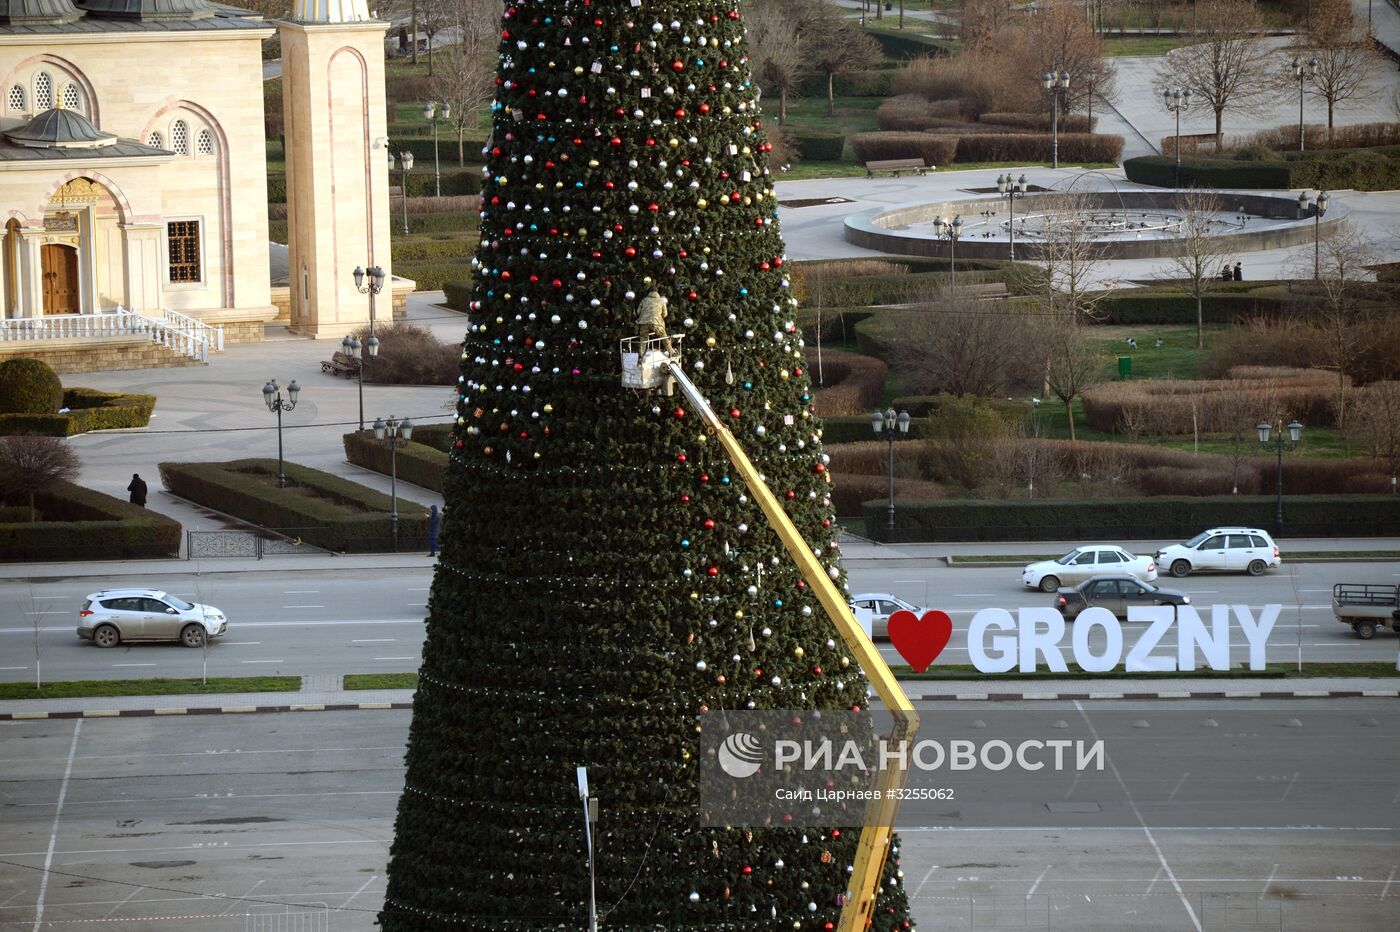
x=1389 y=880
x=53 y=833
x=395 y=658
x=303 y=606
x=372 y=879
x=925 y=880
x=1153 y=882
x=301 y=591
x=263 y=661
x=1289 y=788
x=122 y=903
x=53 y=612
x=373 y=640
x=133 y=665
x=14 y=668
x=238 y=900
x=1132 y=803
x=240 y=643
x=422 y=589
x=1172 y=794
x=416 y=604
x=1031 y=892
x=38 y=598
x=1268 y=882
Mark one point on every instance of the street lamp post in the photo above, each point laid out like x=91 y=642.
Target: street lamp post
x=351 y=346
x=436 y=113
x=888 y=423
x=1319 y=208
x=1302 y=71
x=1012 y=188
x=272 y=395
x=1176 y=100
x=1295 y=433
x=950 y=230
x=1057 y=83
x=405 y=161
x=393 y=433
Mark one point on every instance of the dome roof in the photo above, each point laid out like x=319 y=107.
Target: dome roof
x=62 y=129
x=38 y=12
x=149 y=11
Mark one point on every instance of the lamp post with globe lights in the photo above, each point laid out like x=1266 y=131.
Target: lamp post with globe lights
x=1303 y=71
x=1057 y=84
x=393 y=433
x=887 y=424
x=272 y=396
x=1176 y=100
x=1291 y=439
x=436 y=113
x=1319 y=208
x=950 y=230
x=405 y=163
x=351 y=345
x=1012 y=188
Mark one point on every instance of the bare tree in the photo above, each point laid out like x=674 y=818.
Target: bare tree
x=982 y=20
x=1228 y=66
x=775 y=52
x=467 y=80
x=843 y=50
x=1068 y=275
x=1057 y=38
x=1072 y=361
x=32 y=464
x=1374 y=423
x=952 y=344
x=433 y=17
x=1341 y=318
x=1195 y=267
x=1344 y=53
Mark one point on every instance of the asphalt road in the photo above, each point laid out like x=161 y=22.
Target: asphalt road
x=158 y=823
x=363 y=621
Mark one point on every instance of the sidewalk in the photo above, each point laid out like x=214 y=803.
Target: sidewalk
x=860 y=549
x=321 y=694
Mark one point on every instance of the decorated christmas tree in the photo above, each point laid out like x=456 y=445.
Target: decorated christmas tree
x=605 y=576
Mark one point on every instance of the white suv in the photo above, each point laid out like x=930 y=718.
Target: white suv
x=1222 y=549
x=115 y=615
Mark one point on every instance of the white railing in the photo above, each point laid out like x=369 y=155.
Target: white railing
x=178 y=332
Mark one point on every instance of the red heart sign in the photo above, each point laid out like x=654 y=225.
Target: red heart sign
x=920 y=640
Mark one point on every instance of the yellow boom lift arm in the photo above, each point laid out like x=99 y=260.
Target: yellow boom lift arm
x=878 y=828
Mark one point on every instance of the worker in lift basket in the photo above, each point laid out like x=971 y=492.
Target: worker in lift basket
x=651 y=320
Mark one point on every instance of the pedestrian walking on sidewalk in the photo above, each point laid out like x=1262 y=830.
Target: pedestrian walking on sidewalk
x=137 y=490
x=434 y=525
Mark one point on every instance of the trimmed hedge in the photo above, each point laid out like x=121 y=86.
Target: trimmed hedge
x=455 y=181
x=1161 y=518
x=419 y=463
x=821 y=148
x=934 y=150
x=910 y=44
x=82 y=524
x=871 y=290
x=28 y=386
x=1155 y=307
x=1370 y=169
x=856 y=429
x=457 y=295
x=317 y=507
x=90 y=409
x=1069 y=122
x=837 y=323
x=433 y=274
x=1038 y=147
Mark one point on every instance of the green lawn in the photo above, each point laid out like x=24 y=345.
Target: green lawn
x=808 y=114
x=71 y=689
x=1177 y=358
x=381 y=681
x=1141 y=46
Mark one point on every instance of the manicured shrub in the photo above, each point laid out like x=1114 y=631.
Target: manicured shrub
x=457 y=295
x=1141 y=306
x=934 y=150
x=853 y=383
x=826 y=147
x=837 y=325
x=855 y=429
x=90 y=409
x=1038 y=147
x=418 y=249
x=1366 y=169
x=1069 y=122
x=1167 y=407
x=81 y=524
x=418 y=463
x=433 y=274
x=849 y=493
x=29 y=386
x=1165 y=518
x=317 y=507
x=408 y=355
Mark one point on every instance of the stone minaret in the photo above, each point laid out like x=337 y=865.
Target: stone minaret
x=337 y=163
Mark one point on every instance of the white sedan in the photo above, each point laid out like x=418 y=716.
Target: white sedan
x=873 y=611
x=1082 y=562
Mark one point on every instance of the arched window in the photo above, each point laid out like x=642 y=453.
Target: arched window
x=72 y=98
x=179 y=138
x=204 y=142
x=43 y=91
x=156 y=140
x=15 y=98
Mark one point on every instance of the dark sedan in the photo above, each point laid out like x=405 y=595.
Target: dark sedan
x=1115 y=593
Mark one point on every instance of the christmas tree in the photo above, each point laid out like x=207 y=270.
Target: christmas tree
x=605 y=577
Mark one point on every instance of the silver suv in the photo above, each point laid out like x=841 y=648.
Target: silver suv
x=115 y=615
x=1222 y=549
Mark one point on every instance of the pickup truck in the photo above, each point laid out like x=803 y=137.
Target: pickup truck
x=1367 y=607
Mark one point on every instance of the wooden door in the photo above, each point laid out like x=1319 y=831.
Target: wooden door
x=60 y=271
